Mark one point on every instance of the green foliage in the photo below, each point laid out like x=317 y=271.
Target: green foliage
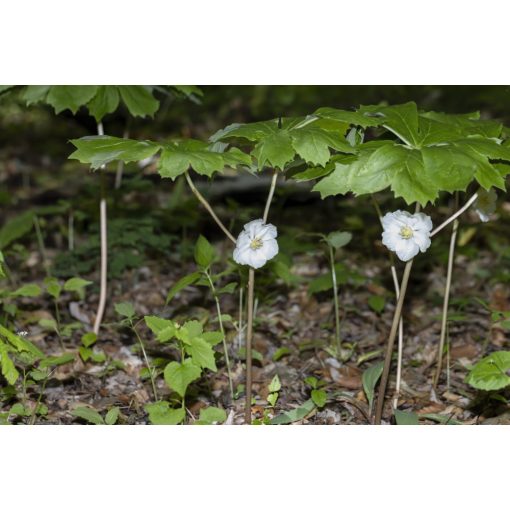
x=434 y=152
x=338 y=239
x=176 y=156
x=16 y=228
x=77 y=285
x=204 y=252
x=184 y=282
x=277 y=145
x=125 y=309
x=27 y=290
x=325 y=281
x=369 y=378
x=179 y=375
x=160 y=413
x=211 y=416
x=88 y=414
x=406 y=418
x=491 y=373
x=319 y=397
x=70 y=97
x=295 y=414
x=377 y=303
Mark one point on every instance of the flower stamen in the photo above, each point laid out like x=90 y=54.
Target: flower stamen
x=406 y=232
x=256 y=243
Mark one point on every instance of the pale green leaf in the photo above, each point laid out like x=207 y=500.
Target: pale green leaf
x=88 y=414
x=160 y=413
x=201 y=353
x=184 y=282
x=179 y=375
x=70 y=97
x=139 y=100
x=369 y=378
x=491 y=373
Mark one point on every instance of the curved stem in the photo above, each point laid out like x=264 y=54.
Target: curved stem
x=104 y=245
x=391 y=342
x=444 y=318
x=249 y=336
x=222 y=329
x=208 y=207
x=455 y=216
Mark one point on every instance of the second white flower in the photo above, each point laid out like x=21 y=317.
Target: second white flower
x=406 y=234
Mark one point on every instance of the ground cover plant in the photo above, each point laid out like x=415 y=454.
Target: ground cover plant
x=260 y=268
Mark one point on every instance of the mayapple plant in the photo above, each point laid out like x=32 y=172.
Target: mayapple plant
x=432 y=153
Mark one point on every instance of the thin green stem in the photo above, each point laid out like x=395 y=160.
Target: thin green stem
x=42 y=248
x=335 y=298
x=222 y=329
x=145 y=357
x=270 y=195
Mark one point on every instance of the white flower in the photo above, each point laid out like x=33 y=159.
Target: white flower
x=485 y=204
x=406 y=234
x=256 y=244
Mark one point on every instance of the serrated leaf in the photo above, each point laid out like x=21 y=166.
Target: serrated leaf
x=53 y=287
x=313 y=173
x=190 y=330
x=353 y=118
x=212 y=337
x=179 y=375
x=88 y=414
x=164 y=329
x=125 y=309
x=184 y=282
x=34 y=93
x=139 y=100
x=275 y=150
x=160 y=413
x=19 y=343
x=204 y=252
x=201 y=353
x=212 y=415
x=177 y=157
x=70 y=97
x=491 y=373
x=369 y=378
x=105 y=101
x=100 y=150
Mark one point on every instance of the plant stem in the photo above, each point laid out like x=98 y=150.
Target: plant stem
x=120 y=164
x=222 y=329
x=446 y=300
x=104 y=245
x=249 y=336
x=40 y=242
x=70 y=231
x=335 y=299
x=270 y=195
x=208 y=207
x=240 y=322
x=34 y=412
x=149 y=368
x=454 y=216
x=396 y=285
x=391 y=342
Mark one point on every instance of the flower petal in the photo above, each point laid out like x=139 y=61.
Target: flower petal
x=406 y=249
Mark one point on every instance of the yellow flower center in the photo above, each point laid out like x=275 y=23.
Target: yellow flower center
x=256 y=243
x=406 y=232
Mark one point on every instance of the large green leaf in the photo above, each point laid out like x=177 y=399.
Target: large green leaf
x=353 y=118
x=34 y=93
x=164 y=329
x=177 y=157
x=139 y=100
x=100 y=150
x=88 y=414
x=275 y=150
x=491 y=373
x=179 y=375
x=105 y=101
x=204 y=252
x=70 y=97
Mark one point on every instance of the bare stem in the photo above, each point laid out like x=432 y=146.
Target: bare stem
x=454 y=216
x=391 y=342
x=249 y=336
x=42 y=248
x=222 y=329
x=270 y=195
x=208 y=207
x=104 y=246
x=446 y=300
x=335 y=299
